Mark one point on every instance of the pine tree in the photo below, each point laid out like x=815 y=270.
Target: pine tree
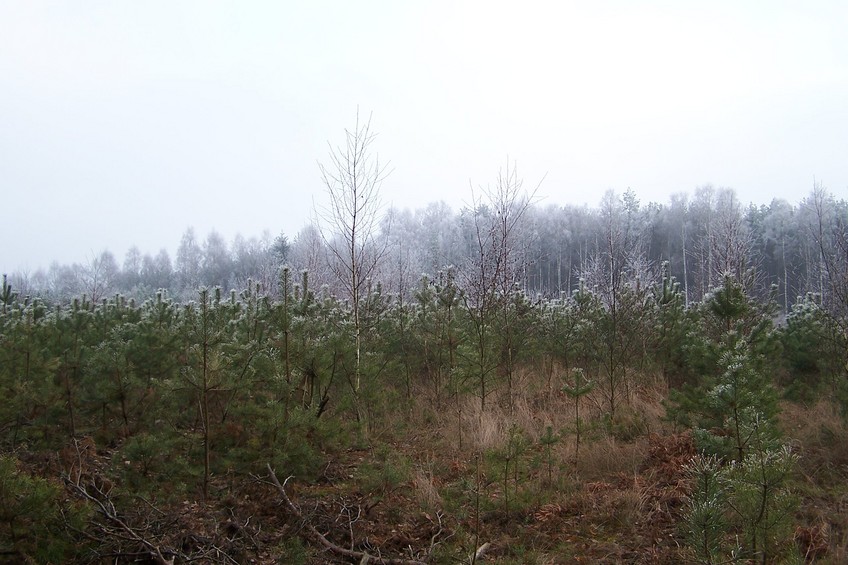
x=548 y=440
x=707 y=522
x=670 y=328
x=27 y=368
x=7 y=297
x=740 y=399
x=203 y=367
x=576 y=388
x=71 y=339
x=814 y=351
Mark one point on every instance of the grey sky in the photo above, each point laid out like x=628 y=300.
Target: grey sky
x=126 y=122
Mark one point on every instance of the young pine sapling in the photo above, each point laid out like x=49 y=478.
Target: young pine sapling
x=576 y=388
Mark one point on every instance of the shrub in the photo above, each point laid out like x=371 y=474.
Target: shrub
x=33 y=517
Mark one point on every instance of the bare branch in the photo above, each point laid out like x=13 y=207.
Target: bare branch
x=314 y=535
x=349 y=223
x=104 y=505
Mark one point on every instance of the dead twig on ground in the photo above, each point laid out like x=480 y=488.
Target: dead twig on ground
x=315 y=536
x=107 y=509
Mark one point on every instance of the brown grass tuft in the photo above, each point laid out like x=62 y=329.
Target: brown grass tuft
x=425 y=489
x=813 y=542
x=608 y=456
x=820 y=434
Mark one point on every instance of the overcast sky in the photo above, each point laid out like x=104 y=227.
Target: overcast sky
x=126 y=122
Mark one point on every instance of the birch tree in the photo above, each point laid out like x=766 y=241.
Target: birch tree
x=491 y=272
x=349 y=225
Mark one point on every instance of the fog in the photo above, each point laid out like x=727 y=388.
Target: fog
x=124 y=123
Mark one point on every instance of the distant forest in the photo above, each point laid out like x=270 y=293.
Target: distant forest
x=778 y=250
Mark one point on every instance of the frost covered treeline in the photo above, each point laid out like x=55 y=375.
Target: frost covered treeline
x=780 y=249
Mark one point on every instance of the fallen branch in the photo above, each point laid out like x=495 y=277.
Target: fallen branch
x=481 y=552
x=435 y=536
x=313 y=534
x=107 y=509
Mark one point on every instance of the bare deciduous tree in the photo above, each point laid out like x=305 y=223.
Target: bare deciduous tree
x=830 y=233
x=620 y=275
x=492 y=269
x=731 y=241
x=349 y=223
x=98 y=276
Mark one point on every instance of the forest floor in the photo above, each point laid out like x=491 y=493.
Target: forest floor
x=422 y=492
x=620 y=498
x=507 y=489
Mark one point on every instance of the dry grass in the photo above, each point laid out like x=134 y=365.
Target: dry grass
x=648 y=403
x=610 y=507
x=489 y=428
x=608 y=456
x=820 y=435
x=604 y=450
x=485 y=429
x=626 y=491
x=425 y=489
